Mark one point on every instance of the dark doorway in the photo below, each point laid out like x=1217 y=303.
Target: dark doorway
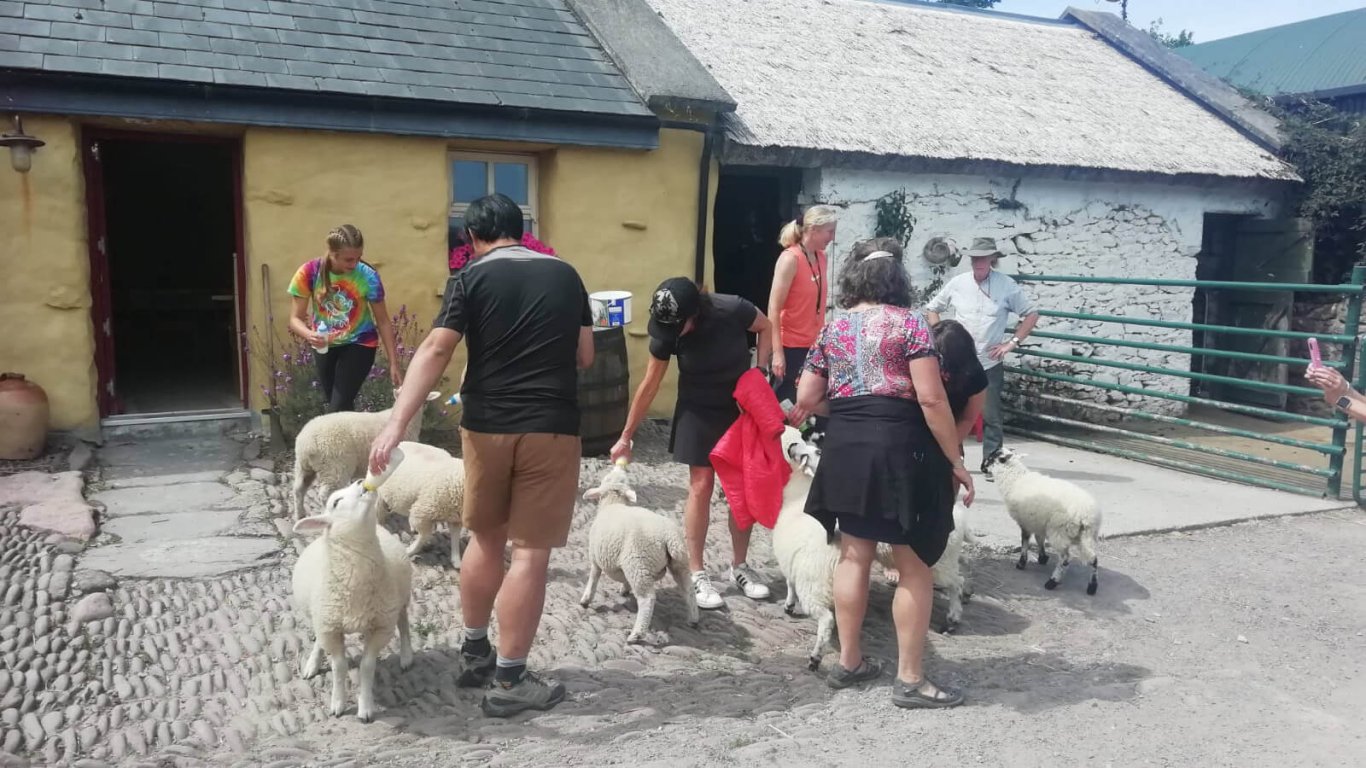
x=752 y=204
x=168 y=267
x=1247 y=249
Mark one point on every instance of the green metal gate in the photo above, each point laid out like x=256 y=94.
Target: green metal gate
x=1131 y=435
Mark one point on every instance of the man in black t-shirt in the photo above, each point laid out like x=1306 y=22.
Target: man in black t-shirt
x=528 y=325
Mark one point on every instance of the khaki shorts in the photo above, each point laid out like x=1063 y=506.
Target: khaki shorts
x=527 y=482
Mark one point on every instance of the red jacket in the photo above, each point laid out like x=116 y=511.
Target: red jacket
x=749 y=459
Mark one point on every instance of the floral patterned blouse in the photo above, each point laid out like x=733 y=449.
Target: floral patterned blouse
x=868 y=352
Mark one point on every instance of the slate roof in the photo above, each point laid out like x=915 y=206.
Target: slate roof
x=1316 y=57
x=532 y=54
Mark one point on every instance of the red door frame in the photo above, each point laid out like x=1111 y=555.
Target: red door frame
x=101 y=307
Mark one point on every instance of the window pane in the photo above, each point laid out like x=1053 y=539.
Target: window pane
x=470 y=179
x=511 y=180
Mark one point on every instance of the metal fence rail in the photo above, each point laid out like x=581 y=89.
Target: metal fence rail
x=1038 y=415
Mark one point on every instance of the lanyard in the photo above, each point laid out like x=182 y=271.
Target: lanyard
x=813 y=263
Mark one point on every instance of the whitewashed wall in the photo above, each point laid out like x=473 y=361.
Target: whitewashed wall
x=1062 y=227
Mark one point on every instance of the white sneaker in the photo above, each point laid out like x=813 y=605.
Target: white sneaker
x=708 y=599
x=748 y=581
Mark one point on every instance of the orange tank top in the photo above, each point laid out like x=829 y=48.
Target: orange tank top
x=803 y=314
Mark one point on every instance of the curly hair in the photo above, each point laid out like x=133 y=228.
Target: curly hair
x=880 y=280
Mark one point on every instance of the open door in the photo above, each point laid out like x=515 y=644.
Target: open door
x=101 y=314
x=1264 y=251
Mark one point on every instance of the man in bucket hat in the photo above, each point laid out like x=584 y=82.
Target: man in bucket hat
x=983 y=300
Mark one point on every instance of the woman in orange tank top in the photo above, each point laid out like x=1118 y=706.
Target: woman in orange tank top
x=798 y=298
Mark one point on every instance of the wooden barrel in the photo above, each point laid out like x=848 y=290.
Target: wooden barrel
x=604 y=392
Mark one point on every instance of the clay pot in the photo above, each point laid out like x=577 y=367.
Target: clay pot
x=23 y=418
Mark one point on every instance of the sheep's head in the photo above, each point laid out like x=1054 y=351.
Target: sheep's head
x=1004 y=458
x=803 y=456
x=352 y=508
x=614 y=483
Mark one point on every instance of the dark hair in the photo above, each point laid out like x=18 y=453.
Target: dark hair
x=957 y=351
x=494 y=217
x=880 y=280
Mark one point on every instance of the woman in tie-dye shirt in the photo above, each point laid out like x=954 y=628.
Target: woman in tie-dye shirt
x=339 y=307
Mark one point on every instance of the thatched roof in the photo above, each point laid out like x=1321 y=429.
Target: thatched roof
x=917 y=81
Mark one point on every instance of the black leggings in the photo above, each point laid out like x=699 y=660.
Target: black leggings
x=341 y=372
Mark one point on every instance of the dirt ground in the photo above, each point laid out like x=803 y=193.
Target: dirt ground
x=1225 y=647
x=1230 y=646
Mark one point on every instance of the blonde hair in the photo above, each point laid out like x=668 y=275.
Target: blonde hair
x=815 y=216
x=345 y=236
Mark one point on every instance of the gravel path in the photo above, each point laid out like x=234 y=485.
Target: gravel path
x=1232 y=646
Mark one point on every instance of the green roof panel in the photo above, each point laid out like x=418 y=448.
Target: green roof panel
x=1317 y=56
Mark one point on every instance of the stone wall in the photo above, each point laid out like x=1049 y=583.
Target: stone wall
x=1063 y=227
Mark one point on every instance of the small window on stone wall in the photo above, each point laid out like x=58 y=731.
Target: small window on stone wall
x=474 y=175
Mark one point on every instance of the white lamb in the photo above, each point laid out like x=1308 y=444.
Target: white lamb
x=950 y=572
x=635 y=546
x=805 y=555
x=807 y=558
x=428 y=489
x=1052 y=511
x=355 y=579
x=333 y=449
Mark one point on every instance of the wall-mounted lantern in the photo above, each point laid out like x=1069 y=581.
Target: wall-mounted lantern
x=21 y=146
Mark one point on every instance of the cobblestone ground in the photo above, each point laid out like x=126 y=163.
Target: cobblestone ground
x=1231 y=646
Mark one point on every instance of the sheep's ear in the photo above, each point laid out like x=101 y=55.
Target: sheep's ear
x=315 y=524
x=433 y=396
x=592 y=494
x=630 y=495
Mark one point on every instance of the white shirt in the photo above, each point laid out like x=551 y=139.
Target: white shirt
x=983 y=308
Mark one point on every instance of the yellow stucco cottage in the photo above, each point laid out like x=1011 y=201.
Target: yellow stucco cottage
x=193 y=157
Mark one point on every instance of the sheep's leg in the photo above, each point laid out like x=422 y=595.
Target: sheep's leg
x=424 y=535
x=955 y=613
x=454 y=528
x=1095 y=571
x=1024 y=550
x=594 y=573
x=790 y=604
x=1059 y=570
x=1043 y=555
x=645 y=611
x=333 y=643
x=302 y=479
x=825 y=625
x=683 y=579
x=313 y=660
x=405 y=640
x=374 y=642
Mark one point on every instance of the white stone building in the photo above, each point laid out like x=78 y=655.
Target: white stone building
x=1076 y=143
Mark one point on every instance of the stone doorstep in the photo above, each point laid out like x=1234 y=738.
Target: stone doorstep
x=175 y=526
x=184 y=558
x=165 y=499
x=149 y=481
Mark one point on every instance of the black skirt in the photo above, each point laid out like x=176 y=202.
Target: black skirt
x=883 y=477
x=697 y=428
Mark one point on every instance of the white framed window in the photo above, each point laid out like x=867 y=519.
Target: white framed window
x=475 y=174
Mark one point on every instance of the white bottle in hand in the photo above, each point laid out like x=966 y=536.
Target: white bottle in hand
x=322 y=331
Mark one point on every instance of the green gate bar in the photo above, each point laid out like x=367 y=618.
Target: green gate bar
x=1223 y=453
x=1230 y=285
x=1325 y=448
x=1265 y=386
x=1339 y=338
x=1192 y=351
x=1247 y=410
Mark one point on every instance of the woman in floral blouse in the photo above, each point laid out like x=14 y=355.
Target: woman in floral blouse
x=890 y=465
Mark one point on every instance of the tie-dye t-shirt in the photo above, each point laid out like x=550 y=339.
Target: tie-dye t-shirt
x=345 y=305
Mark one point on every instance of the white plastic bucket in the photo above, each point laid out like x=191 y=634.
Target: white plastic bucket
x=611 y=308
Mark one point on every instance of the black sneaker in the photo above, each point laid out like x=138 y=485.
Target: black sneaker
x=531 y=692
x=476 y=671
